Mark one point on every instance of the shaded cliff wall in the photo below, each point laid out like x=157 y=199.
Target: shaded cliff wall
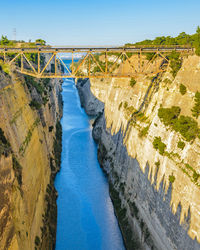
x=30 y=110
x=155 y=194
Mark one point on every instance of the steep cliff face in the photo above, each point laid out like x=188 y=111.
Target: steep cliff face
x=151 y=160
x=30 y=111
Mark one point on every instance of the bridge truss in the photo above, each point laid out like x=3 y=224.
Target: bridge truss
x=89 y=62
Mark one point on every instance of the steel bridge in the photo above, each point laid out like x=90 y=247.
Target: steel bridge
x=94 y=62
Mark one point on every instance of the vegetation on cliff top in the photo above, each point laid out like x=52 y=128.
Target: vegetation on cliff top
x=4 y=41
x=181 y=39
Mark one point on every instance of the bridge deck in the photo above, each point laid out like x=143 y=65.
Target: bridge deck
x=96 y=49
x=96 y=62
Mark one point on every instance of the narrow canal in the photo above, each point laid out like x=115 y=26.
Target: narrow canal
x=86 y=219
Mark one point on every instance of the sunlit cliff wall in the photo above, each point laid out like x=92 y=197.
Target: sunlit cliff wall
x=155 y=193
x=30 y=111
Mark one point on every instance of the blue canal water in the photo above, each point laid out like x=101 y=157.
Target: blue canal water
x=86 y=219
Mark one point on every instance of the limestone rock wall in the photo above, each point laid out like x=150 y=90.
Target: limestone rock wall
x=156 y=196
x=27 y=161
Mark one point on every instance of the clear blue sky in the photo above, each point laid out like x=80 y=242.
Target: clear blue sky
x=104 y=22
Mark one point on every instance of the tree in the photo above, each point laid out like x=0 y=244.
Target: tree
x=42 y=42
x=198 y=41
x=198 y=30
x=4 y=40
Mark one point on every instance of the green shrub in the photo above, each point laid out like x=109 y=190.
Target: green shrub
x=35 y=105
x=144 y=131
x=195 y=176
x=167 y=81
x=2 y=137
x=4 y=144
x=41 y=41
x=120 y=105
x=182 y=89
x=197 y=49
x=185 y=125
x=5 y=67
x=157 y=163
x=141 y=116
x=132 y=82
x=125 y=105
x=17 y=170
x=149 y=56
x=158 y=144
x=45 y=99
x=169 y=115
x=181 y=145
x=30 y=81
x=175 y=62
x=196 y=108
x=37 y=241
x=171 y=178
x=4 y=40
x=51 y=128
x=57 y=145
